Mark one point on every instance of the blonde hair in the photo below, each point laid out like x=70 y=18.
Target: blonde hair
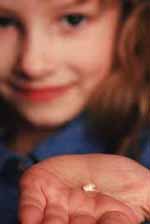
x=121 y=103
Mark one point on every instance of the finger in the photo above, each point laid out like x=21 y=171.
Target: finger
x=54 y=220
x=31 y=209
x=55 y=214
x=115 y=217
x=30 y=214
x=32 y=202
x=79 y=219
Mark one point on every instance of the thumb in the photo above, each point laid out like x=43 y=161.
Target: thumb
x=116 y=217
x=31 y=202
x=29 y=214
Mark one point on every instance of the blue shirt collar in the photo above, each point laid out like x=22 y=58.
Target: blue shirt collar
x=73 y=138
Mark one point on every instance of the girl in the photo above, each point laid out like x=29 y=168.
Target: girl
x=59 y=53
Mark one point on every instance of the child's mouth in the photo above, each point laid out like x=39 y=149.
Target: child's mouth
x=41 y=94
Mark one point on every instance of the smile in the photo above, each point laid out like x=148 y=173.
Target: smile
x=42 y=94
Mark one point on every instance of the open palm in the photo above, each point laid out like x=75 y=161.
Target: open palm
x=52 y=191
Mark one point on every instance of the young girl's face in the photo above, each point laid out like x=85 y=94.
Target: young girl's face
x=53 y=53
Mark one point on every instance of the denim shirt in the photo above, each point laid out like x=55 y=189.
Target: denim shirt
x=70 y=139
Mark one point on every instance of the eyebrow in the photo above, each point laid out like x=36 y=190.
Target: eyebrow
x=63 y=4
x=68 y=3
x=73 y=1
x=5 y=5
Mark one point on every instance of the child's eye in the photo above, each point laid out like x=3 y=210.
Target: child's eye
x=6 y=22
x=74 y=20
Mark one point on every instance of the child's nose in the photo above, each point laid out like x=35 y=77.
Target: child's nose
x=36 y=57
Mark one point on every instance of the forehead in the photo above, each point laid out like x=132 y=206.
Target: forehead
x=38 y=7
x=33 y=7
x=55 y=3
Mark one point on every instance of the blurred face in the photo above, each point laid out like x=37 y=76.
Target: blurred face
x=53 y=54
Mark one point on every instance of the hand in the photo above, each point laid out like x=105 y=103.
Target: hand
x=51 y=191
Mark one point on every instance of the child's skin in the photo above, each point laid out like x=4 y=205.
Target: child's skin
x=50 y=61
x=52 y=191
x=57 y=52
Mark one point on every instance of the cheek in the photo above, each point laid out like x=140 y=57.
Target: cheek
x=92 y=59
x=91 y=53
x=8 y=52
x=92 y=56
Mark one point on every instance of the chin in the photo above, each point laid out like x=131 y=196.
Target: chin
x=51 y=120
x=52 y=115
